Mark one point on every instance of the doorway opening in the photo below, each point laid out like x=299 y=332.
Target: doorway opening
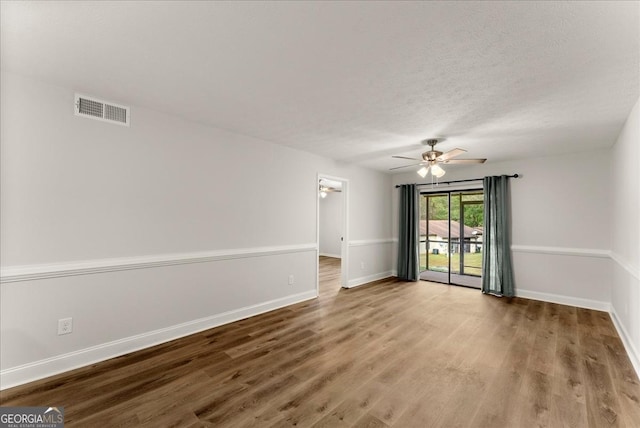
x=451 y=237
x=332 y=233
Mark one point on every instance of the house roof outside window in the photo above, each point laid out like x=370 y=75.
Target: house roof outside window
x=441 y=228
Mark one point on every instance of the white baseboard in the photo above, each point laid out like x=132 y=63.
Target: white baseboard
x=369 y=278
x=632 y=352
x=51 y=366
x=565 y=300
x=335 y=256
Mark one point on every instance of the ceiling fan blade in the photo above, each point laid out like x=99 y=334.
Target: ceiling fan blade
x=405 y=166
x=451 y=154
x=404 y=157
x=465 y=161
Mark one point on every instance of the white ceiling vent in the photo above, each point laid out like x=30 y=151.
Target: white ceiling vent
x=106 y=111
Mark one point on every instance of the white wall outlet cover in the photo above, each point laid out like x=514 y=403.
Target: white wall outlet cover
x=65 y=326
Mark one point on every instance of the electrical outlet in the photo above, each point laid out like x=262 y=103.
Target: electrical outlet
x=362 y=265
x=65 y=326
x=291 y=281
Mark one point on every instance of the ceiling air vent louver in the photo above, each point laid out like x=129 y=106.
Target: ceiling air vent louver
x=94 y=108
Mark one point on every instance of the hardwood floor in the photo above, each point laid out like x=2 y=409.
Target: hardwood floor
x=329 y=273
x=385 y=354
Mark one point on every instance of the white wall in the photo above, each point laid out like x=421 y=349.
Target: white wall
x=151 y=232
x=625 y=248
x=330 y=224
x=561 y=226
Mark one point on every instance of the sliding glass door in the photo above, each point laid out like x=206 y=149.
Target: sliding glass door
x=434 y=243
x=451 y=237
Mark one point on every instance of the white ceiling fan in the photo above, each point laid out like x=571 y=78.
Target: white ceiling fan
x=432 y=158
x=328 y=186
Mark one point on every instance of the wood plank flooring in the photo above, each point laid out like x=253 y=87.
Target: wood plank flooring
x=388 y=354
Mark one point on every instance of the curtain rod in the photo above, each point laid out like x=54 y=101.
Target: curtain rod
x=455 y=181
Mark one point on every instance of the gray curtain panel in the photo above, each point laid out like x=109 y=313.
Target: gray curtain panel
x=408 y=233
x=497 y=269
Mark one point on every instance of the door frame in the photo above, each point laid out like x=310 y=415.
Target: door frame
x=463 y=242
x=344 y=244
x=448 y=192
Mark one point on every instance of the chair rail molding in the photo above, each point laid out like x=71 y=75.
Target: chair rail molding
x=366 y=242
x=564 y=251
x=88 y=267
x=633 y=271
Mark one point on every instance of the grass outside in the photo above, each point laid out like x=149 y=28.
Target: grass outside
x=440 y=263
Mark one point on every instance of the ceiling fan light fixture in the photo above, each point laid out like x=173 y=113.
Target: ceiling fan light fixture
x=437 y=170
x=432 y=158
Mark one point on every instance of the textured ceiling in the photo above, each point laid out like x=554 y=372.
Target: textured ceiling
x=354 y=81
